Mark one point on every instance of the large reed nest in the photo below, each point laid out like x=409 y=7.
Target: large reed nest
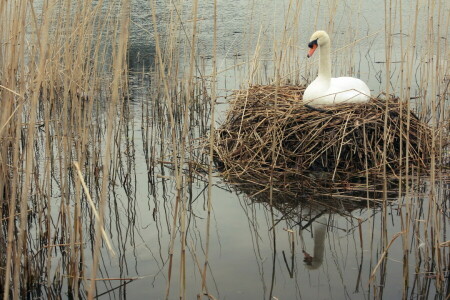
x=270 y=136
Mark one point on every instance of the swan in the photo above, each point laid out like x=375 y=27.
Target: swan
x=325 y=90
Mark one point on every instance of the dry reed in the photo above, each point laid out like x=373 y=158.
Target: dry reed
x=55 y=72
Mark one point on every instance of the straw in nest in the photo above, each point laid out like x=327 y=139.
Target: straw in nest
x=270 y=136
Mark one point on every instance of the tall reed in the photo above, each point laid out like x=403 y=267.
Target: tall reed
x=55 y=68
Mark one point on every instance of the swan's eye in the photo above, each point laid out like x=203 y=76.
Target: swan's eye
x=312 y=43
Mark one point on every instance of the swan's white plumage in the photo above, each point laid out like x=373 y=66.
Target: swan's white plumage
x=325 y=90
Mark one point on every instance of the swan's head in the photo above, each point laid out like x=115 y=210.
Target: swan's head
x=319 y=38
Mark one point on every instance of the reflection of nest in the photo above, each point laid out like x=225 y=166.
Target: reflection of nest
x=297 y=204
x=269 y=136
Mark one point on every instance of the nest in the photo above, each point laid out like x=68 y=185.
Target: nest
x=270 y=136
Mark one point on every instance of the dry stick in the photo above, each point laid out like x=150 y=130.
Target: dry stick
x=113 y=278
x=447 y=53
x=13 y=216
x=15 y=175
x=12 y=208
x=48 y=173
x=184 y=135
x=30 y=146
x=395 y=236
x=427 y=231
x=386 y=115
x=64 y=154
x=15 y=110
x=404 y=219
x=8 y=101
x=340 y=147
x=117 y=76
x=94 y=209
x=74 y=62
x=272 y=168
x=174 y=141
x=211 y=144
x=440 y=254
x=88 y=25
x=366 y=167
x=432 y=204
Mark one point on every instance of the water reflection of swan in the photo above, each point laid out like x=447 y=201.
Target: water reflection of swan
x=320 y=230
x=325 y=90
x=297 y=208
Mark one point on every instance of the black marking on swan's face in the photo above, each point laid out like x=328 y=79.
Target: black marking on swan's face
x=312 y=43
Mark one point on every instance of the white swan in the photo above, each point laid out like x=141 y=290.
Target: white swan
x=325 y=90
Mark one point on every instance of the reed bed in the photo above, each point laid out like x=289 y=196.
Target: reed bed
x=316 y=148
x=59 y=64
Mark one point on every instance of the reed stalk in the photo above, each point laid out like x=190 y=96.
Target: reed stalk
x=119 y=55
x=211 y=149
x=175 y=150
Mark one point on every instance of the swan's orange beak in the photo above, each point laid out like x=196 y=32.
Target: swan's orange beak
x=311 y=51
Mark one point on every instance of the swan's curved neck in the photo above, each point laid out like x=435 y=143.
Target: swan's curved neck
x=325 y=62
